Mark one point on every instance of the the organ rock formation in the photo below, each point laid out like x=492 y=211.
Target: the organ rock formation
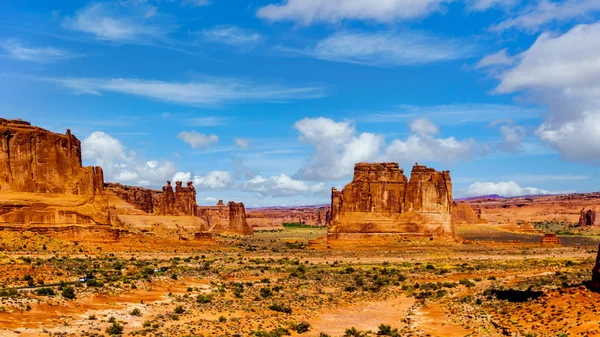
x=464 y=214
x=380 y=199
x=180 y=202
x=587 y=218
x=36 y=160
x=230 y=218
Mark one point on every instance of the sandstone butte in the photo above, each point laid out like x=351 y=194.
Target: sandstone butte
x=587 y=218
x=381 y=200
x=45 y=188
x=550 y=240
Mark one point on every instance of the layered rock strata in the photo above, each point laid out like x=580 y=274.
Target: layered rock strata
x=380 y=199
x=464 y=214
x=230 y=218
x=36 y=160
x=550 y=240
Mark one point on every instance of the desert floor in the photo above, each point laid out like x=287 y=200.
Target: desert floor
x=498 y=283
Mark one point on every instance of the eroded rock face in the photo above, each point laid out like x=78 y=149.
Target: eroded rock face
x=550 y=240
x=36 y=160
x=464 y=214
x=180 y=202
x=380 y=199
x=587 y=218
x=144 y=199
x=596 y=269
x=230 y=218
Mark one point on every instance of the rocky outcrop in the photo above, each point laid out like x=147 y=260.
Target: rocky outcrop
x=230 y=218
x=305 y=215
x=144 y=199
x=464 y=214
x=594 y=283
x=180 y=202
x=380 y=199
x=550 y=240
x=587 y=218
x=36 y=160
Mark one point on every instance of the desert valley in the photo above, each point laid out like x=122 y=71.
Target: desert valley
x=391 y=256
x=317 y=168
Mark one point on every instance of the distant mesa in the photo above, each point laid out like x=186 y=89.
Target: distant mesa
x=464 y=214
x=381 y=200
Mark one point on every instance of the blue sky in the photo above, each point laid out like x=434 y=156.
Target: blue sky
x=272 y=102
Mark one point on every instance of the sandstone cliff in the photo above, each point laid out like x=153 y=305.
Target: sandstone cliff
x=36 y=160
x=464 y=214
x=380 y=199
x=143 y=199
x=230 y=218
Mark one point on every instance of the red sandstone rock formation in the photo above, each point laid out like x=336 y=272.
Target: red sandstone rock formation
x=463 y=213
x=594 y=284
x=306 y=215
x=550 y=240
x=226 y=219
x=144 y=199
x=587 y=218
x=36 y=160
x=380 y=199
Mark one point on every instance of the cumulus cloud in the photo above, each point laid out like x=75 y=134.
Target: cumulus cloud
x=280 y=186
x=337 y=147
x=388 y=48
x=198 y=140
x=214 y=180
x=424 y=145
x=561 y=72
x=306 y=12
x=17 y=50
x=122 y=166
x=243 y=143
x=503 y=188
x=230 y=35
x=210 y=91
x=482 y=5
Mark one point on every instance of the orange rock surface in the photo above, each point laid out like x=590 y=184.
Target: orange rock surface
x=380 y=199
x=464 y=214
x=230 y=218
x=36 y=160
x=550 y=240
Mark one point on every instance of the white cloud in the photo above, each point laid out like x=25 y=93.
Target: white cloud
x=388 y=48
x=243 y=143
x=231 y=35
x=512 y=134
x=483 y=5
x=122 y=166
x=338 y=147
x=500 y=58
x=211 y=91
x=280 y=186
x=214 y=180
x=544 y=12
x=562 y=72
x=504 y=188
x=15 y=49
x=423 y=145
x=128 y=21
x=306 y=12
x=198 y=140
